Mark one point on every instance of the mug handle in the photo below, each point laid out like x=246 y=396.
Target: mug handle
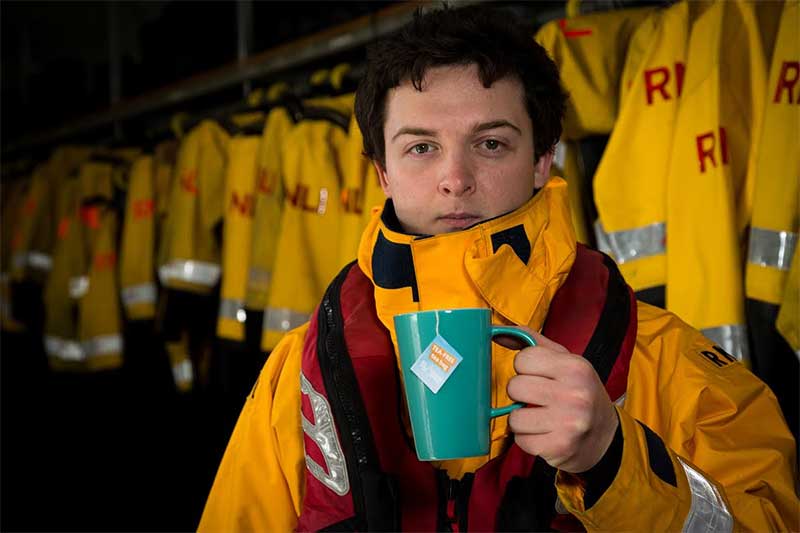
x=524 y=337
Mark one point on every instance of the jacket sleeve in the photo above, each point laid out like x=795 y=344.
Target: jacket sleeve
x=704 y=443
x=260 y=482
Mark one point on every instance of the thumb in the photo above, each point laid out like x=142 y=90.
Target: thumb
x=514 y=343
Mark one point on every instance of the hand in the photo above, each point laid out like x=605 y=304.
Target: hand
x=570 y=420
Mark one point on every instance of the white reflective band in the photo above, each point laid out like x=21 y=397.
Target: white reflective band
x=324 y=434
x=66 y=350
x=233 y=309
x=631 y=244
x=732 y=338
x=560 y=155
x=36 y=260
x=771 y=248
x=102 y=345
x=708 y=511
x=620 y=401
x=259 y=276
x=197 y=272
x=78 y=286
x=283 y=319
x=144 y=293
x=182 y=372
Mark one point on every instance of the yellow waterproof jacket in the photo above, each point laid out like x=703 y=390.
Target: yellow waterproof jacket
x=776 y=202
x=240 y=181
x=137 y=248
x=590 y=53
x=704 y=408
x=189 y=254
x=788 y=322
x=307 y=255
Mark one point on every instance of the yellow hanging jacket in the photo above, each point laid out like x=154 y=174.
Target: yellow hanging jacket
x=240 y=180
x=776 y=203
x=703 y=409
x=630 y=181
x=590 y=53
x=268 y=199
x=307 y=256
x=707 y=194
x=567 y=164
x=190 y=254
x=137 y=248
x=788 y=322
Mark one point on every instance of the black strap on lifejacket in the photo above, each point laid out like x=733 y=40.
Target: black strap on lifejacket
x=374 y=493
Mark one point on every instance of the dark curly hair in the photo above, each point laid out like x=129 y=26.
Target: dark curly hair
x=488 y=37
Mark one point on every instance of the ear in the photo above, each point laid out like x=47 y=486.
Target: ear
x=541 y=170
x=383 y=179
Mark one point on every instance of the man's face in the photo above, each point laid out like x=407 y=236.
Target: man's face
x=456 y=152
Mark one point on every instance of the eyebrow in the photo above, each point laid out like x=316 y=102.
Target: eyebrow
x=477 y=129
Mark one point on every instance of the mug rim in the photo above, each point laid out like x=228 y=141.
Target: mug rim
x=444 y=310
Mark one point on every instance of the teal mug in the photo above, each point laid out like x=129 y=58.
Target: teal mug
x=446 y=358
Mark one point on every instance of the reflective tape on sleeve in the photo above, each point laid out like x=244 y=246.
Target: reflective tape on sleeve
x=771 y=248
x=197 y=272
x=732 y=338
x=183 y=372
x=38 y=260
x=708 y=511
x=102 y=345
x=283 y=319
x=66 y=350
x=631 y=244
x=258 y=277
x=233 y=309
x=78 y=287
x=144 y=293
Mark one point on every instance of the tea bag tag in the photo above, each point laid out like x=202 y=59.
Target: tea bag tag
x=436 y=363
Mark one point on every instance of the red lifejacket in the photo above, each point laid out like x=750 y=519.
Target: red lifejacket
x=367 y=474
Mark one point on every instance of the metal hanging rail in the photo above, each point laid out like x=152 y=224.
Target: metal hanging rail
x=325 y=43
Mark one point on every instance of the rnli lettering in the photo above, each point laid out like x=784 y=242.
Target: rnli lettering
x=718 y=357
x=267 y=182
x=299 y=198
x=105 y=261
x=657 y=80
x=571 y=33
x=706 y=148
x=143 y=208
x=243 y=204
x=352 y=201
x=63 y=227
x=189 y=181
x=90 y=216
x=787 y=80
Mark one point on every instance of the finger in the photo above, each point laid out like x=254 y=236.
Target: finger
x=532 y=390
x=541 y=361
x=543 y=341
x=530 y=421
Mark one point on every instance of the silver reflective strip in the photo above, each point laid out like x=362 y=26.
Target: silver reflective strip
x=324 y=434
x=708 y=511
x=620 y=401
x=102 y=345
x=283 y=319
x=197 y=272
x=560 y=155
x=37 y=260
x=771 y=248
x=631 y=244
x=66 y=350
x=144 y=293
x=259 y=276
x=183 y=372
x=732 y=338
x=78 y=287
x=233 y=309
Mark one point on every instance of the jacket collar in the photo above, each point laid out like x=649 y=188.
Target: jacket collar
x=512 y=264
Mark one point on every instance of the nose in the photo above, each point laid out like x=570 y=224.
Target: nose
x=457 y=176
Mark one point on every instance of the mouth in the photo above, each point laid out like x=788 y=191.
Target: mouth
x=459 y=220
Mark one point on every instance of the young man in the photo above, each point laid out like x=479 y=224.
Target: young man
x=634 y=420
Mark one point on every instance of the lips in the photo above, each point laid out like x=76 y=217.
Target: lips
x=459 y=220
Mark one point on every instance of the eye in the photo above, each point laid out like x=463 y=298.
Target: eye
x=421 y=148
x=491 y=144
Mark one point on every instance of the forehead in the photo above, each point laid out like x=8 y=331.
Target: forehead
x=455 y=96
